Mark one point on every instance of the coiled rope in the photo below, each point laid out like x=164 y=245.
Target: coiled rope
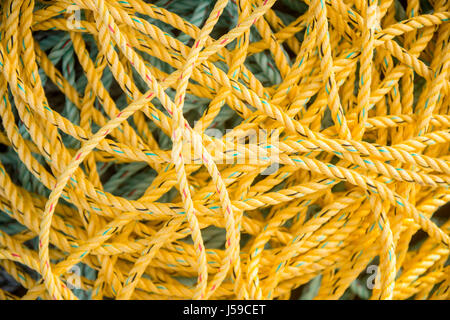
x=111 y=167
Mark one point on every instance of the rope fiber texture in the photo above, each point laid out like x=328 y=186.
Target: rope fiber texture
x=242 y=149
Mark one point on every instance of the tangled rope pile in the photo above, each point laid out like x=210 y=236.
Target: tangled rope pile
x=129 y=150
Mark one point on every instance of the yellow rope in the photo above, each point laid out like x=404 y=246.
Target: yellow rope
x=355 y=61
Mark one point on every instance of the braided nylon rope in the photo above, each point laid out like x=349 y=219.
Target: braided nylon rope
x=243 y=149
